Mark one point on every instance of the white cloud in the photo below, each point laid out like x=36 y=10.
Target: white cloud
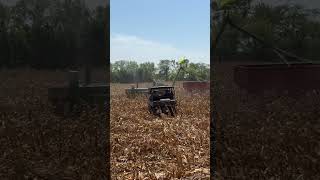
x=127 y=47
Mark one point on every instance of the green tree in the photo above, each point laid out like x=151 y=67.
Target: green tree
x=164 y=69
x=4 y=35
x=197 y=72
x=147 y=71
x=124 y=71
x=289 y=27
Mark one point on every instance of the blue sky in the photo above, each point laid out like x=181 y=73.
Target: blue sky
x=150 y=30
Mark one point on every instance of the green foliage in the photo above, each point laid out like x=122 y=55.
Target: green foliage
x=52 y=34
x=225 y=4
x=124 y=71
x=291 y=28
x=165 y=66
x=130 y=71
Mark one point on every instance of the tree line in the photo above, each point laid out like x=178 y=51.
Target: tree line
x=59 y=34
x=289 y=27
x=52 y=34
x=166 y=70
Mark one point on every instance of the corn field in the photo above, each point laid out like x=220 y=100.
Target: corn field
x=274 y=137
x=38 y=144
x=270 y=137
x=147 y=147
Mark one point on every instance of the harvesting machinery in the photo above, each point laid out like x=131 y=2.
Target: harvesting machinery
x=161 y=96
x=136 y=91
x=162 y=100
x=66 y=98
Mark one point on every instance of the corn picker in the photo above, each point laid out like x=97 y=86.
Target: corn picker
x=65 y=98
x=162 y=98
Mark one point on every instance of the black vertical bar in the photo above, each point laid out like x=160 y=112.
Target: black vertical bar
x=212 y=117
x=106 y=150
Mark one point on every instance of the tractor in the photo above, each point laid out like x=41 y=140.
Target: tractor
x=162 y=97
x=162 y=100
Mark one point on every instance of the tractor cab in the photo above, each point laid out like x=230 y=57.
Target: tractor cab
x=162 y=92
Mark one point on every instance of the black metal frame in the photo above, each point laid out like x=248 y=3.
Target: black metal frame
x=157 y=106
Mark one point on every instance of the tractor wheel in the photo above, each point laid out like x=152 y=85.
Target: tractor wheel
x=174 y=108
x=165 y=110
x=150 y=109
x=158 y=111
x=171 y=111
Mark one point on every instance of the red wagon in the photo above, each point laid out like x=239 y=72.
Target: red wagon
x=196 y=86
x=279 y=77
